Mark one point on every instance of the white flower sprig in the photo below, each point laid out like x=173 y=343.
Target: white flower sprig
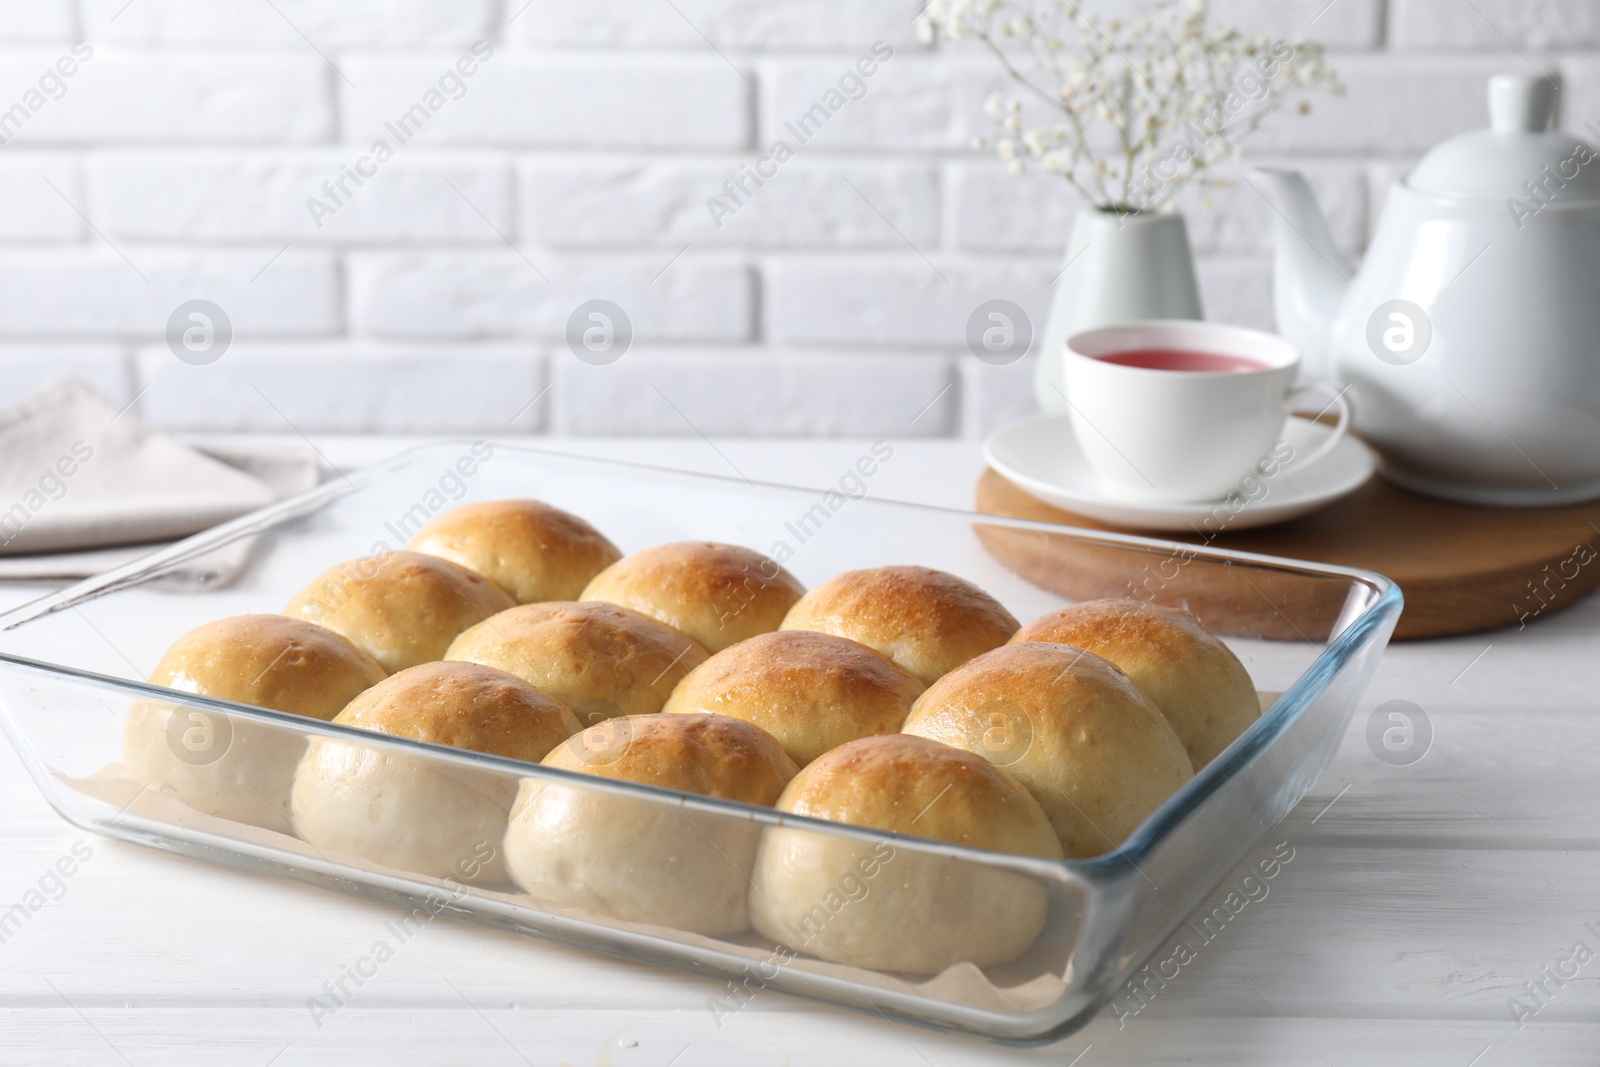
x=1134 y=109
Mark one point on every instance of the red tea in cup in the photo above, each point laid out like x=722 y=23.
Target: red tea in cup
x=1183 y=360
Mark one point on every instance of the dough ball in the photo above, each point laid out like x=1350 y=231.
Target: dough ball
x=533 y=551
x=1094 y=751
x=400 y=608
x=717 y=594
x=811 y=691
x=885 y=905
x=649 y=859
x=1195 y=679
x=927 y=621
x=416 y=812
x=229 y=766
x=599 y=659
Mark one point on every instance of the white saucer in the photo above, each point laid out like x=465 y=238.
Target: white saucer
x=1040 y=456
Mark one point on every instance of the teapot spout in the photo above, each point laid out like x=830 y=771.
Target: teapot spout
x=1309 y=273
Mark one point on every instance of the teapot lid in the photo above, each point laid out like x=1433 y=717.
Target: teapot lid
x=1517 y=156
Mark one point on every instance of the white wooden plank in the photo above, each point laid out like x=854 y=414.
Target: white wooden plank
x=452 y=1034
x=1339 y=932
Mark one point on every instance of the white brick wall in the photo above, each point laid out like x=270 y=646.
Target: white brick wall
x=569 y=160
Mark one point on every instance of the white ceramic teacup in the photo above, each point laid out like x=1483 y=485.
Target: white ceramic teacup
x=1188 y=435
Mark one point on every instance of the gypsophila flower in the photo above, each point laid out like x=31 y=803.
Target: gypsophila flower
x=1136 y=109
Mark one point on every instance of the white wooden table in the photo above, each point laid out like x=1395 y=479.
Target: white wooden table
x=1420 y=901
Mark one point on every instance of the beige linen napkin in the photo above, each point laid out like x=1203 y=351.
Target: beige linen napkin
x=84 y=488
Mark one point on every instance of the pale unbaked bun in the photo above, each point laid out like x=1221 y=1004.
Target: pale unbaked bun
x=533 y=551
x=717 y=594
x=925 y=620
x=599 y=659
x=1195 y=679
x=224 y=765
x=811 y=691
x=889 y=907
x=1093 y=749
x=401 y=608
x=414 y=812
x=649 y=860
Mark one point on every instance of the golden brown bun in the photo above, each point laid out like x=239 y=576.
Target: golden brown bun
x=227 y=766
x=532 y=550
x=464 y=705
x=599 y=659
x=644 y=859
x=1195 y=679
x=895 y=908
x=717 y=594
x=911 y=785
x=1093 y=749
x=925 y=620
x=270 y=661
x=401 y=608
x=811 y=691
x=418 y=813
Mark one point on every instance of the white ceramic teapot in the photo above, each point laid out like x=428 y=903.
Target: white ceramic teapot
x=1470 y=336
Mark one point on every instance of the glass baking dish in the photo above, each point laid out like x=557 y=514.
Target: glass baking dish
x=72 y=664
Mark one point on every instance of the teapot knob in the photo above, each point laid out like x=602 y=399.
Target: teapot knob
x=1520 y=103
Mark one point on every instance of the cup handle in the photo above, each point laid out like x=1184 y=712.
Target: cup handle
x=1336 y=400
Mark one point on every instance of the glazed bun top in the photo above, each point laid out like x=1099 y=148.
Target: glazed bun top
x=532 y=550
x=925 y=620
x=401 y=608
x=712 y=755
x=717 y=594
x=270 y=661
x=1195 y=679
x=1094 y=751
x=811 y=691
x=911 y=785
x=466 y=706
x=599 y=659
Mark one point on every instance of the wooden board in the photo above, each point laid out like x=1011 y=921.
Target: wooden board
x=1462 y=568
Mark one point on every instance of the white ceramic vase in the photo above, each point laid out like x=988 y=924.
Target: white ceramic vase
x=1118 y=268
